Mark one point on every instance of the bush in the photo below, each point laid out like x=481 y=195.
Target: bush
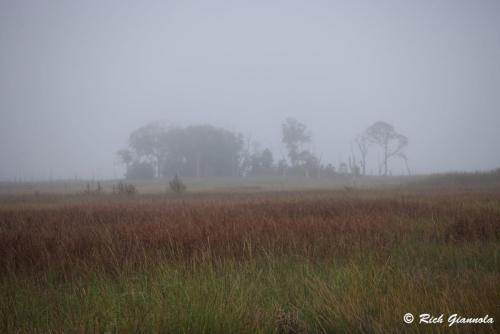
x=125 y=189
x=176 y=185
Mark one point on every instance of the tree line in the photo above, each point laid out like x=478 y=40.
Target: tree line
x=160 y=150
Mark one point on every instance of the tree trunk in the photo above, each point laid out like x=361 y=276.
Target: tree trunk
x=156 y=166
x=198 y=165
x=385 y=157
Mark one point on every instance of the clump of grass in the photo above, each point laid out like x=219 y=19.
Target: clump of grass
x=177 y=186
x=123 y=188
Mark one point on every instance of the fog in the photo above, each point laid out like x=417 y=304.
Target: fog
x=77 y=77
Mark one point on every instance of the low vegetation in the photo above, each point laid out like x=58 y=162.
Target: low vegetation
x=177 y=185
x=464 y=181
x=256 y=263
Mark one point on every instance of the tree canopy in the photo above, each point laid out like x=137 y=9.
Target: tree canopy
x=200 y=150
x=161 y=150
x=389 y=140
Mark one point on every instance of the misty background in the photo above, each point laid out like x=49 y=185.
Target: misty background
x=77 y=77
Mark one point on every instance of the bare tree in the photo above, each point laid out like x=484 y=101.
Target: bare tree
x=405 y=159
x=391 y=142
x=362 y=142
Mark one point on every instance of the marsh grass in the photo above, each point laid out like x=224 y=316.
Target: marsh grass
x=249 y=263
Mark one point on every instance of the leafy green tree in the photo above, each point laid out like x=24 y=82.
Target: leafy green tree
x=200 y=150
x=295 y=136
x=146 y=142
x=126 y=157
x=267 y=160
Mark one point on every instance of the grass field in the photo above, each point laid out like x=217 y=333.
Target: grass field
x=485 y=181
x=213 y=184
x=273 y=262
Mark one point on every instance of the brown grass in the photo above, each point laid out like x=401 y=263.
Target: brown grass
x=315 y=225
x=70 y=237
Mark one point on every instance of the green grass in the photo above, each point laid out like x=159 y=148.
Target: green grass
x=263 y=295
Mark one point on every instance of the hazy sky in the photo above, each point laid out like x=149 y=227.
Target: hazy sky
x=76 y=77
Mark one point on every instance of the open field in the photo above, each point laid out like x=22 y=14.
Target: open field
x=213 y=184
x=489 y=181
x=274 y=262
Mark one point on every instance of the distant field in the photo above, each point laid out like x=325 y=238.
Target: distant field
x=459 y=181
x=249 y=262
x=213 y=184
x=450 y=181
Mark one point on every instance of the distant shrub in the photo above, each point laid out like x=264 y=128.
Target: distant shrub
x=176 y=185
x=125 y=189
x=140 y=171
x=90 y=190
